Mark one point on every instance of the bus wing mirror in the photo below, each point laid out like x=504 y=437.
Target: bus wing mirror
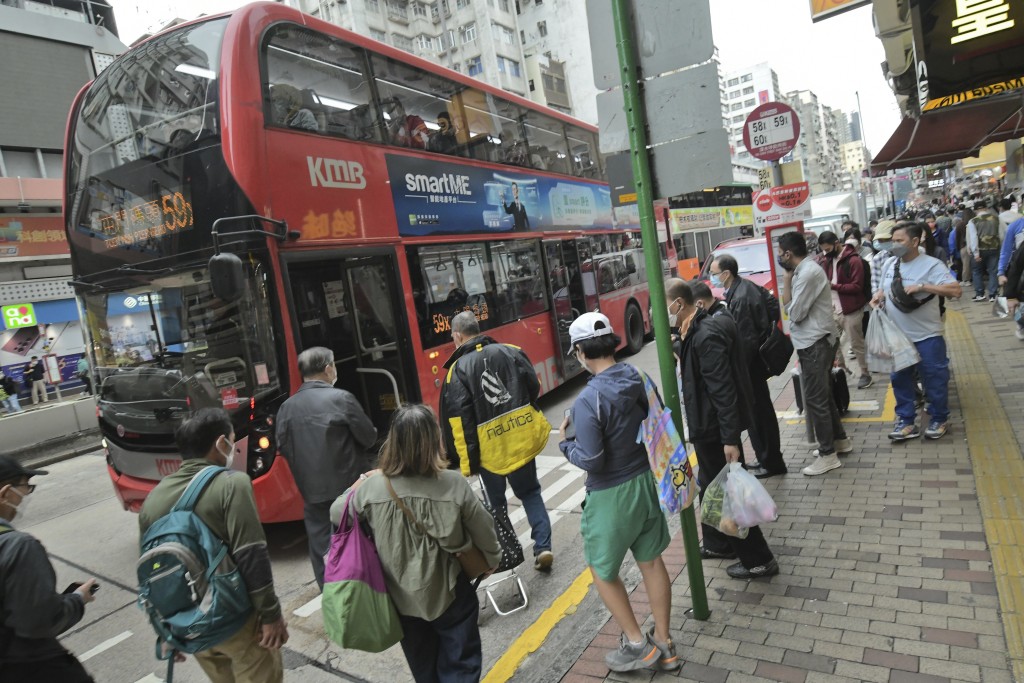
x=227 y=277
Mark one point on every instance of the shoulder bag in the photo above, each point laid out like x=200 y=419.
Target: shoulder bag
x=472 y=559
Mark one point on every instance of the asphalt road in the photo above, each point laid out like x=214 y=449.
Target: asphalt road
x=82 y=525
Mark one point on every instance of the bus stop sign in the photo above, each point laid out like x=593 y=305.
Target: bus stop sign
x=771 y=131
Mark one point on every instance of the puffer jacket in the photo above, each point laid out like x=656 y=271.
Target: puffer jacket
x=716 y=383
x=487 y=408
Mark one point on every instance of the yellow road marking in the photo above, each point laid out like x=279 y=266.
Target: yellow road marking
x=998 y=470
x=888 y=412
x=534 y=636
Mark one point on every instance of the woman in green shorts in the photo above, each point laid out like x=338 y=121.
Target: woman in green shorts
x=621 y=510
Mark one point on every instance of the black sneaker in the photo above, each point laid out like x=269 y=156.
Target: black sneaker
x=980 y=297
x=763 y=473
x=738 y=571
x=706 y=554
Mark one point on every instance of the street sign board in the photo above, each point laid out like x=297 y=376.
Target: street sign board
x=764 y=178
x=691 y=164
x=678 y=105
x=771 y=131
x=670 y=34
x=783 y=204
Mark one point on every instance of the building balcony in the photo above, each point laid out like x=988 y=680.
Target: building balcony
x=398 y=14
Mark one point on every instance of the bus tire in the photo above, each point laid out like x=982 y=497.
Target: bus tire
x=634 y=328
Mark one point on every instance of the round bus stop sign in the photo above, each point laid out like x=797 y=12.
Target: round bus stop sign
x=771 y=131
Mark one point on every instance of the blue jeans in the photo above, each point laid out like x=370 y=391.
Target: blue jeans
x=12 y=404
x=989 y=263
x=447 y=649
x=934 y=372
x=526 y=486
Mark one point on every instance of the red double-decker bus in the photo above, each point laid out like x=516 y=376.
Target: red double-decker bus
x=370 y=195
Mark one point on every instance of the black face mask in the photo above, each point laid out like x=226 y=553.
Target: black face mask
x=831 y=254
x=783 y=264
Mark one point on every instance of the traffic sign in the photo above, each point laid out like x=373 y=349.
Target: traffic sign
x=771 y=131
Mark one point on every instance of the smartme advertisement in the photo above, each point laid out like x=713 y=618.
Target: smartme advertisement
x=432 y=198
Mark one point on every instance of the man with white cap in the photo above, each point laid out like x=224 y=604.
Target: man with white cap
x=32 y=612
x=621 y=512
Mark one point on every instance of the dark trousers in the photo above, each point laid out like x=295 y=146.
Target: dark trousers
x=764 y=427
x=988 y=264
x=816 y=384
x=317 y=518
x=752 y=551
x=447 y=649
x=526 y=486
x=64 y=668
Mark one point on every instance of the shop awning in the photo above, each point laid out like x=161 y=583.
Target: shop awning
x=951 y=133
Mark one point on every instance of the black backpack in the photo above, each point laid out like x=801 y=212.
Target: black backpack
x=866 y=285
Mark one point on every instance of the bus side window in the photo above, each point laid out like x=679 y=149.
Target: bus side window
x=411 y=100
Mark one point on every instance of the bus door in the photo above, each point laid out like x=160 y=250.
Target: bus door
x=582 y=274
x=351 y=306
x=560 y=284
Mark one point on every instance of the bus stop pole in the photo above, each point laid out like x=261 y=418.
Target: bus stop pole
x=635 y=121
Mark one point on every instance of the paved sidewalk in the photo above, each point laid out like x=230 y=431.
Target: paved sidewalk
x=899 y=567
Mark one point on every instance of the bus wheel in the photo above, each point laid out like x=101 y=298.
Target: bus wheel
x=634 y=329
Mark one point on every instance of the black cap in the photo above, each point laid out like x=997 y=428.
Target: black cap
x=11 y=469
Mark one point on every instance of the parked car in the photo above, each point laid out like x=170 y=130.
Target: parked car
x=752 y=254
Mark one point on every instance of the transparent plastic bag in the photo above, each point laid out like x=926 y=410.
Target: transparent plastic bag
x=749 y=500
x=887 y=349
x=716 y=507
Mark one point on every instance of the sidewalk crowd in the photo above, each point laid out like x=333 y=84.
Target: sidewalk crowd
x=408 y=488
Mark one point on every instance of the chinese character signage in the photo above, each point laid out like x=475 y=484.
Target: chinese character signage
x=684 y=220
x=968 y=48
x=29 y=236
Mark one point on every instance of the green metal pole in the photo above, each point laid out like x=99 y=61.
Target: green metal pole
x=635 y=119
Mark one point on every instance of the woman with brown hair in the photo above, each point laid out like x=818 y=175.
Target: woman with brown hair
x=437 y=605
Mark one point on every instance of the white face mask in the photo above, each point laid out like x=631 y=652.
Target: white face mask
x=582 y=360
x=673 y=318
x=229 y=457
x=21 y=506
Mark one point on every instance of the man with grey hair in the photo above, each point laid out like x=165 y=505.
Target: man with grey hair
x=492 y=427
x=324 y=434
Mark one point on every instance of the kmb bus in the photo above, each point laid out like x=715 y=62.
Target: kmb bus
x=700 y=220
x=369 y=194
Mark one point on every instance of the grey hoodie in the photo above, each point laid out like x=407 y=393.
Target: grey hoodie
x=608 y=414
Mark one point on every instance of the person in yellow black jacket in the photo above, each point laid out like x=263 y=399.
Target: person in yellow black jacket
x=491 y=426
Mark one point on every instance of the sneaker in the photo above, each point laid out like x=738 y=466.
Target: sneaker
x=821 y=465
x=669 y=660
x=543 y=560
x=763 y=473
x=936 y=430
x=1020 y=333
x=631 y=657
x=979 y=297
x=904 y=430
x=865 y=382
x=707 y=554
x=843 y=446
x=738 y=571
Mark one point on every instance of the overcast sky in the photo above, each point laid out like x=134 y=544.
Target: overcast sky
x=835 y=58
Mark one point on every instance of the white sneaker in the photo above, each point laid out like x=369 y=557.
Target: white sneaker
x=843 y=446
x=1020 y=333
x=822 y=464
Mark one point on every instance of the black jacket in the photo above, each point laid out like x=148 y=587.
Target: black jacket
x=755 y=311
x=716 y=384
x=488 y=416
x=9 y=386
x=32 y=612
x=1014 y=287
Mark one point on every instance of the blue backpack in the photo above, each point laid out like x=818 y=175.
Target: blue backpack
x=189 y=585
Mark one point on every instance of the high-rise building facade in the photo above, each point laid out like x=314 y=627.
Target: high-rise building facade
x=48 y=51
x=818 y=149
x=742 y=91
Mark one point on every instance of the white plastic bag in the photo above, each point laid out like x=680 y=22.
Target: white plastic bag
x=887 y=349
x=749 y=500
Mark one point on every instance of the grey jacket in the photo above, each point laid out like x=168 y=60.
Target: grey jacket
x=324 y=433
x=32 y=612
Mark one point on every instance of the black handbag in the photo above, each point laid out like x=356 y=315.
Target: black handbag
x=776 y=352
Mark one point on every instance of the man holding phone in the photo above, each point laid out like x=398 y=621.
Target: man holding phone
x=32 y=613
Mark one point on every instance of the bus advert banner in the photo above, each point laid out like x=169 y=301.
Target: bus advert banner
x=783 y=204
x=445 y=198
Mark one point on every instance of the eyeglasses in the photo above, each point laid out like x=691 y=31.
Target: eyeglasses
x=30 y=487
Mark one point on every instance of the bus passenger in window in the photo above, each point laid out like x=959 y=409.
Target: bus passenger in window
x=287 y=110
x=405 y=130
x=444 y=139
x=516 y=210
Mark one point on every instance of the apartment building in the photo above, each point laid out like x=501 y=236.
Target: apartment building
x=818 y=149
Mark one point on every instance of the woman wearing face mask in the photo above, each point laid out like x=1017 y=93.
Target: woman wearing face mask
x=621 y=510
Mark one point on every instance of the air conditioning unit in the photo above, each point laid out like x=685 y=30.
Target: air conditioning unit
x=891 y=17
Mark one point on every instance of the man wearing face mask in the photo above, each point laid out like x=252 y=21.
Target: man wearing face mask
x=228 y=507
x=32 y=612
x=845 y=271
x=324 y=435
x=911 y=285
x=716 y=397
x=755 y=311
x=808 y=300
x=882 y=244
